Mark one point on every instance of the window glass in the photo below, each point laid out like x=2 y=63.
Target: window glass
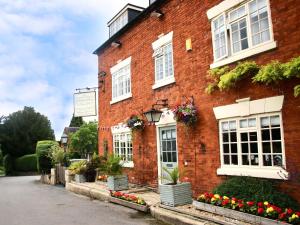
x=123 y=146
x=121 y=82
x=164 y=62
x=219 y=37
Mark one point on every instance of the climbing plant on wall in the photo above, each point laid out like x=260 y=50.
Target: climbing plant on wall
x=225 y=78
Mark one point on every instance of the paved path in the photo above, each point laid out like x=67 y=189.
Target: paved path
x=25 y=201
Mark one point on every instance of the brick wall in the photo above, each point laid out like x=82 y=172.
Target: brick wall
x=188 y=20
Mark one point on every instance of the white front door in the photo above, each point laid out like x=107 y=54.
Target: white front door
x=168 y=150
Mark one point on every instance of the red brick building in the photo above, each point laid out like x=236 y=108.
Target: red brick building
x=165 y=53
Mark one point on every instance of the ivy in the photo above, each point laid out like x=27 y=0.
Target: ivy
x=223 y=78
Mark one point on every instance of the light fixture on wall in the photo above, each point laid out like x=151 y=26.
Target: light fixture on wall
x=157 y=13
x=116 y=44
x=153 y=115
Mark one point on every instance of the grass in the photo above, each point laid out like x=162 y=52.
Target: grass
x=1 y=171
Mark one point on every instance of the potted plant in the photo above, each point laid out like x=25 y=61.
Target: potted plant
x=135 y=123
x=78 y=169
x=185 y=113
x=174 y=193
x=115 y=180
x=91 y=168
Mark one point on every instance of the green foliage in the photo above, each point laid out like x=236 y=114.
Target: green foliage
x=44 y=161
x=76 y=122
x=57 y=154
x=270 y=73
x=85 y=140
x=256 y=189
x=211 y=87
x=173 y=175
x=216 y=73
x=297 y=90
x=91 y=167
x=113 y=165
x=228 y=79
x=21 y=130
x=78 y=167
x=1 y=157
x=26 y=163
x=292 y=68
x=8 y=164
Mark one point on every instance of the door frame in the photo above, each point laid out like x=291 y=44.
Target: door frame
x=166 y=120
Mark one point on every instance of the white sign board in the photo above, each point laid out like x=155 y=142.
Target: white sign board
x=85 y=104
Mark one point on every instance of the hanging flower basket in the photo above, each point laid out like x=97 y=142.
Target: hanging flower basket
x=135 y=123
x=185 y=113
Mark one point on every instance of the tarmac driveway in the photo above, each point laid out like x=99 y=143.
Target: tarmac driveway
x=25 y=201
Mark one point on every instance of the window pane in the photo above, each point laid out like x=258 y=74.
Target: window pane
x=232 y=125
x=243 y=123
x=226 y=148
x=244 y=44
x=265 y=135
x=174 y=157
x=267 y=160
x=276 y=134
x=174 y=134
x=253 y=147
x=265 y=36
x=173 y=145
x=275 y=121
x=263 y=13
x=226 y=159
x=245 y=159
x=164 y=146
x=244 y=136
x=254 y=160
x=266 y=147
x=253 y=136
x=165 y=157
x=261 y=3
x=252 y=122
x=169 y=147
x=235 y=37
x=277 y=160
x=225 y=137
x=253 y=6
x=255 y=29
x=277 y=147
x=264 y=24
x=254 y=17
x=233 y=148
x=233 y=136
x=234 y=159
x=245 y=148
x=225 y=126
x=256 y=39
x=169 y=155
x=264 y=122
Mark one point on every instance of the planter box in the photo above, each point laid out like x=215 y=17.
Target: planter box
x=236 y=214
x=173 y=195
x=117 y=183
x=79 y=178
x=142 y=208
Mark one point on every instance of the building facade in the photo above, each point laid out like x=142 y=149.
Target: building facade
x=165 y=53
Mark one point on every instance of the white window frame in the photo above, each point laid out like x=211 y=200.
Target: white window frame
x=122 y=129
x=226 y=7
x=158 y=48
x=115 y=69
x=274 y=172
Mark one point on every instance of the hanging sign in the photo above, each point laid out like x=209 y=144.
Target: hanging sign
x=85 y=104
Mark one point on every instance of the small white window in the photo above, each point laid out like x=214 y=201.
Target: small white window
x=163 y=59
x=121 y=81
x=253 y=141
x=122 y=145
x=241 y=31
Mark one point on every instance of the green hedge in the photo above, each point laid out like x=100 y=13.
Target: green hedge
x=26 y=163
x=8 y=164
x=256 y=189
x=44 y=162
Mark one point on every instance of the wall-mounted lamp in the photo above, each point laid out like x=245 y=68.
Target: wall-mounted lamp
x=153 y=115
x=157 y=13
x=102 y=74
x=116 y=44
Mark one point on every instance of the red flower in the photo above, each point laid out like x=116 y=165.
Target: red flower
x=277 y=209
x=289 y=211
x=297 y=213
x=250 y=204
x=234 y=199
x=282 y=216
x=225 y=202
x=241 y=205
x=260 y=204
x=260 y=211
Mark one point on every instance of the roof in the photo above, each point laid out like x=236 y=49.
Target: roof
x=128 y=6
x=133 y=22
x=68 y=130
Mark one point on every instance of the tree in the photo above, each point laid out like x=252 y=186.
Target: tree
x=21 y=130
x=76 y=122
x=85 y=140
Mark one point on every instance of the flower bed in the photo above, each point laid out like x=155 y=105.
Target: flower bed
x=130 y=201
x=261 y=209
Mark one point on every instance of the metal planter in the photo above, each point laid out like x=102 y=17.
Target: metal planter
x=173 y=195
x=142 y=208
x=80 y=178
x=117 y=183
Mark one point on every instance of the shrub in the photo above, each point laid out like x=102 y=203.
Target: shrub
x=8 y=163
x=1 y=157
x=78 y=167
x=113 y=165
x=26 y=163
x=44 y=161
x=57 y=154
x=91 y=167
x=256 y=189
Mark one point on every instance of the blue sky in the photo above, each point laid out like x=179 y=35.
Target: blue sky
x=46 y=53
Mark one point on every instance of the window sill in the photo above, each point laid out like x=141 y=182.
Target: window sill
x=245 y=54
x=272 y=173
x=163 y=83
x=128 y=164
x=121 y=98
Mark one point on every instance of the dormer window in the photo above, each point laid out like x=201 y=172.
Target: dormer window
x=128 y=13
